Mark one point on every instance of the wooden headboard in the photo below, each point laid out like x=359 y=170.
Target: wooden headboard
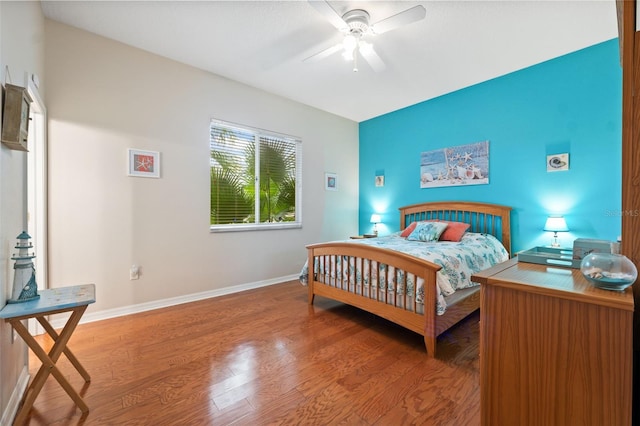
x=486 y=218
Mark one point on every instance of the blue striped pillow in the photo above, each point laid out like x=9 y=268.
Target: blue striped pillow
x=428 y=231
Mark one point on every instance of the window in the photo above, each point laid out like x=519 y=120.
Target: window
x=245 y=162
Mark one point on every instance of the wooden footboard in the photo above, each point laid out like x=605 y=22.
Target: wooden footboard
x=397 y=306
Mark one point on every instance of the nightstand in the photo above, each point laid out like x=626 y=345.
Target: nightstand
x=359 y=237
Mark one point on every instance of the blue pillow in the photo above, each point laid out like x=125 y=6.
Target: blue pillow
x=427 y=231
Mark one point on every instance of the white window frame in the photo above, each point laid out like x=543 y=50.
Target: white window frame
x=258 y=133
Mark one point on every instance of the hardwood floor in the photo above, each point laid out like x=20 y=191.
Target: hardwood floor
x=265 y=357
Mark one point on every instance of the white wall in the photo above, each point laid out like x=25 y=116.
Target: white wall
x=105 y=97
x=21 y=50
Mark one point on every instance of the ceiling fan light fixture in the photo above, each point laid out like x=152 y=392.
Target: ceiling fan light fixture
x=349 y=43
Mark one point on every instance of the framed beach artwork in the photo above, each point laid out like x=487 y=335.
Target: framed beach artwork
x=144 y=163
x=455 y=166
x=330 y=182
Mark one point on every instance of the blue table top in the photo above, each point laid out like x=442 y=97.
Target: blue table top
x=51 y=300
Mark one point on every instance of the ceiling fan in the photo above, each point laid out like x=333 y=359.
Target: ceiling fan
x=355 y=26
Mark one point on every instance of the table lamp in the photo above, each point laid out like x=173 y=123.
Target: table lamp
x=555 y=224
x=375 y=219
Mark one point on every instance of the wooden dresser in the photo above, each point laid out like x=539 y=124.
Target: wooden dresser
x=554 y=350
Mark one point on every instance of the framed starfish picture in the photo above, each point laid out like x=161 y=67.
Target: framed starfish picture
x=455 y=166
x=144 y=163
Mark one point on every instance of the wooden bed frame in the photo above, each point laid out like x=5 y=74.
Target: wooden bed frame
x=484 y=218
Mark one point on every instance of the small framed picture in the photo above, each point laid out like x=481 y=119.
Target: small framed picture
x=557 y=162
x=380 y=180
x=330 y=182
x=144 y=163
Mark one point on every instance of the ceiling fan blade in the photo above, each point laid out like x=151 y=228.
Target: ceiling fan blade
x=408 y=16
x=331 y=15
x=372 y=58
x=324 y=53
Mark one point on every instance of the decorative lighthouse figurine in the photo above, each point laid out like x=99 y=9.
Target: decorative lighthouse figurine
x=25 y=287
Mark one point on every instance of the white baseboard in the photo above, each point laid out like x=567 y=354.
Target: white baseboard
x=16 y=398
x=157 y=304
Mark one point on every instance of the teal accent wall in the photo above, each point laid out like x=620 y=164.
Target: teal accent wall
x=571 y=104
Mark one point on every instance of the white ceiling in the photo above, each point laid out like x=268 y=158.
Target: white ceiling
x=263 y=43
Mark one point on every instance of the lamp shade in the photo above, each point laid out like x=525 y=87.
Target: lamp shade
x=556 y=224
x=375 y=218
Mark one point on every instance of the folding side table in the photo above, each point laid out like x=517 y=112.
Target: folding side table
x=74 y=299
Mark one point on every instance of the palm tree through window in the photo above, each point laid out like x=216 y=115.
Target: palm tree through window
x=255 y=177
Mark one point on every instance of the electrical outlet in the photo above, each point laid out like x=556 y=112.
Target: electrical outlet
x=134 y=272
